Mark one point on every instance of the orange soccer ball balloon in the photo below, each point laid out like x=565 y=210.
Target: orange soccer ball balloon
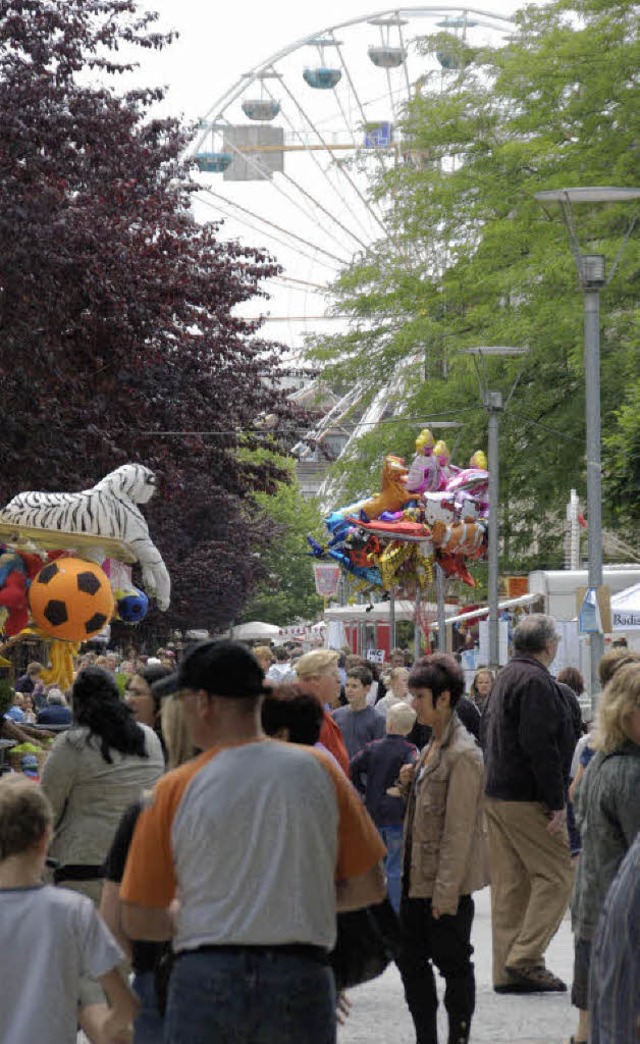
x=71 y=599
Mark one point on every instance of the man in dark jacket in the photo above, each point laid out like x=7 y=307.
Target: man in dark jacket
x=528 y=737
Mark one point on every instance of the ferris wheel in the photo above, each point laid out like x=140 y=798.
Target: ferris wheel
x=288 y=155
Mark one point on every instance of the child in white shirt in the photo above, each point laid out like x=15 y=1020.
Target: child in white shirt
x=49 y=936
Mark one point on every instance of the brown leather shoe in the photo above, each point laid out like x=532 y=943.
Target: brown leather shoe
x=537 y=979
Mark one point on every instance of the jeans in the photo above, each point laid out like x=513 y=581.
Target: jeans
x=250 y=997
x=392 y=837
x=445 y=943
x=148 y=1026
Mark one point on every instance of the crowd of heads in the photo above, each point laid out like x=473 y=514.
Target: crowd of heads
x=320 y=677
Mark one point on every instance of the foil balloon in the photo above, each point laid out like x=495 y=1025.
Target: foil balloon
x=433 y=510
x=393 y=493
x=471 y=480
x=370 y=573
x=447 y=469
x=454 y=566
x=479 y=460
x=424 y=473
x=460 y=538
x=439 y=507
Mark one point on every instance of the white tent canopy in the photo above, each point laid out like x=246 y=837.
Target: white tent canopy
x=625 y=609
x=254 y=631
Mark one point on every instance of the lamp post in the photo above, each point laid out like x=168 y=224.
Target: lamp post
x=592 y=279
x=494 y=405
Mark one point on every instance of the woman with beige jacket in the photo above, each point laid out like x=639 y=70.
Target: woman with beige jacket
x=444 y=856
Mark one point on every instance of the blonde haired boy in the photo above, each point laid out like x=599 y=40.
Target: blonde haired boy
x=54 y=936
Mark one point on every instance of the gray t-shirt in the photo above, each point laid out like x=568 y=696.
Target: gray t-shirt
x=255 y=843
x=359 y=727
x=49 y=938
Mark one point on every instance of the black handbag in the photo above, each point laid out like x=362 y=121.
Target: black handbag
x=368 y=940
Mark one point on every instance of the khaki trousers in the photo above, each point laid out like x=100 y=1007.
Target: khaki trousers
x=531 y=883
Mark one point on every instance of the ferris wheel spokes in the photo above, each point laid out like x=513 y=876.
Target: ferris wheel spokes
x=340 y=167
x=337 y=262
x=363 y=231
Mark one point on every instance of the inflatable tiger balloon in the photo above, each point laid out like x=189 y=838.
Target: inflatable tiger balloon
x=109 y=509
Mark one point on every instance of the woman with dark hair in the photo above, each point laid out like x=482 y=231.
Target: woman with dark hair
x=445 y=860
x=144 y=696
x=150 y=961
x=94 y=771
x=291 y=714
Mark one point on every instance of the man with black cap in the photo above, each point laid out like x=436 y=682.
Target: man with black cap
x=261 y=842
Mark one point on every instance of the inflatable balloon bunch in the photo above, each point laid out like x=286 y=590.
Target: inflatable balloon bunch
x=429 y=512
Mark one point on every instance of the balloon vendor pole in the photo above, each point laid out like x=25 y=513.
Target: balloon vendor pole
x=392 y=619
x=417 y=630
x=442 y=626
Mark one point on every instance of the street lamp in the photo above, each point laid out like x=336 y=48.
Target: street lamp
x=493 y=404
x=592 y=279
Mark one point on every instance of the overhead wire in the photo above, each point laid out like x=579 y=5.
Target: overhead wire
x=298 y=135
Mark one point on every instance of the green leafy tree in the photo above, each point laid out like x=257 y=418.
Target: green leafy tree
x=472 y=259
x=287 y=593
x=623 y=457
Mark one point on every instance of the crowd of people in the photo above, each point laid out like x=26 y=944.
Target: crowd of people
x=207 y=819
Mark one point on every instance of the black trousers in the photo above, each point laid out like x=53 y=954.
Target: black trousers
x=446 y=944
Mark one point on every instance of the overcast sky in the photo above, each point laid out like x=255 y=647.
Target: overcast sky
x=218 y=42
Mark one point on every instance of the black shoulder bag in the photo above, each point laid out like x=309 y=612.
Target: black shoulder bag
x=368 y=940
